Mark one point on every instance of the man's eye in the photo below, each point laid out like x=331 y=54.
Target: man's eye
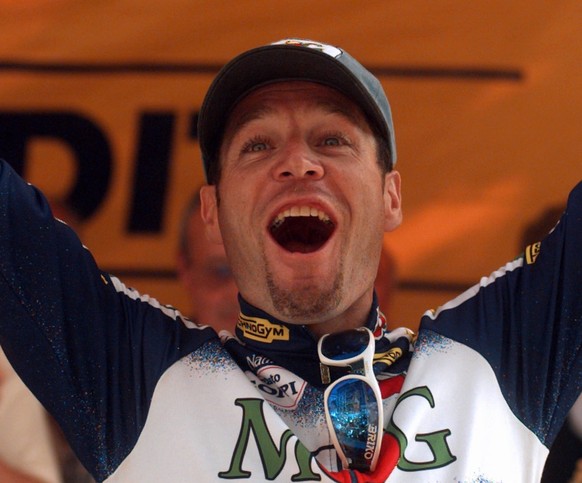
x=332 y=141
x=258 y=146
x=255 y=146
x=335 y=139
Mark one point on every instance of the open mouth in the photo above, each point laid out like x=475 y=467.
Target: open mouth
x=301 y=229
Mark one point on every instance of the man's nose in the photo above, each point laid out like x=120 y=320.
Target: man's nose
x=298 y=162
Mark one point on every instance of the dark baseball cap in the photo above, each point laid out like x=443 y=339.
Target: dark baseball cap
x=285 y=60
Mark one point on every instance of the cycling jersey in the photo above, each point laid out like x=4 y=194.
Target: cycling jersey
x=144 y=394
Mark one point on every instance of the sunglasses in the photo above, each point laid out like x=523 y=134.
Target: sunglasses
x=353 y=403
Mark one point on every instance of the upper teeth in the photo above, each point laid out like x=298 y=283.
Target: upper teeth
x=300 y=211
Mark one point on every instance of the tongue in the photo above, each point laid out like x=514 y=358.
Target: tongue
x=298 y=247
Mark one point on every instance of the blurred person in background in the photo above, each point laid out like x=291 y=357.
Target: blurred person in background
x=205 y=273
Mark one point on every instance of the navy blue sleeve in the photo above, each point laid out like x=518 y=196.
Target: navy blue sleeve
x=526 y=320
x=90 y=350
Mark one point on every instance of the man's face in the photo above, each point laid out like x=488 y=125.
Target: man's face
x=303 y=204
x=206 y=276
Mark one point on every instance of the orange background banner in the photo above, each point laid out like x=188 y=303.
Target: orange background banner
x=98 y=102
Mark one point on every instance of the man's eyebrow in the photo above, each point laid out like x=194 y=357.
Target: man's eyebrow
x=338 y=108
x=251 y=115
x=264 y=110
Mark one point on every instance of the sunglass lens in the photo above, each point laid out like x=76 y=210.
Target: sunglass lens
x=353 y=410
x=345 y=345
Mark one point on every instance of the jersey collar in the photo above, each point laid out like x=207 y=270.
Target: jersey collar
x=294 y=347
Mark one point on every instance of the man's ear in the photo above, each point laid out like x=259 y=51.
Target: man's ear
x=209 y=212
x=392 y=201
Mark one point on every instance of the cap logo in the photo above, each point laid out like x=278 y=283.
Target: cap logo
x=310 y=44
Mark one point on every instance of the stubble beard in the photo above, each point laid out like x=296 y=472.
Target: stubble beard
x=308 y=304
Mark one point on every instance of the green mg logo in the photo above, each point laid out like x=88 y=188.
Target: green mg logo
x=274 y=456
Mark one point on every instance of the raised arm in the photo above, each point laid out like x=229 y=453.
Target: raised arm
x=526 y=320
x=90 y=349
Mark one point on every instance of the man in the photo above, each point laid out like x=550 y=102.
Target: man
x=205 y=273
x=298 y=146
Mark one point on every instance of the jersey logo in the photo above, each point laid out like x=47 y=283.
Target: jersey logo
x=274 y=459
x=279 y=386
x=532 y=252
x=388 y=357
x=262 y=330
x=394 y=445
x=435 y=441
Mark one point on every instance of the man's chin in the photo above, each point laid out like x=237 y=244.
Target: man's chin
x=306 y=304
